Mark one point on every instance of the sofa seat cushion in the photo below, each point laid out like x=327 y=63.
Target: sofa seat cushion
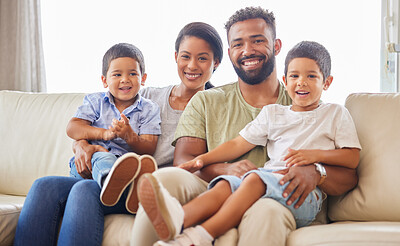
x=118 y=229
x=347 y=233
x=10 y=207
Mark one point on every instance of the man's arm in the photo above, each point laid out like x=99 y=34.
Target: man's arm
x=187 y=148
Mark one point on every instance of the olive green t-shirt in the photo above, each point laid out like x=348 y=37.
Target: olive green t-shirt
x=217 y=115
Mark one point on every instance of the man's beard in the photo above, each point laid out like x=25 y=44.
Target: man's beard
x=254 y=77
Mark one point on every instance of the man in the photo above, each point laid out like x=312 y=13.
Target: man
x=215 y=116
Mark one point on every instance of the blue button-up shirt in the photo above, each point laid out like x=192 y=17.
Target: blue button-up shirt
x=99 y=109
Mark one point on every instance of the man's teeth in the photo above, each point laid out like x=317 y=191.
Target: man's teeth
x=250 y=63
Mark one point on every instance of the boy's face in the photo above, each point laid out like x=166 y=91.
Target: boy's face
x=304 y=83
x=252 y=50
x=123 y=80
x=195 y=62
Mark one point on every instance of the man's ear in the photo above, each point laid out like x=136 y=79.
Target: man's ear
x=176 y=56
x=103 y=79
x=144 y=77
x=277 y=46
x=328 y=82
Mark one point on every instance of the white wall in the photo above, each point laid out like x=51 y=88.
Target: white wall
x=77 y=33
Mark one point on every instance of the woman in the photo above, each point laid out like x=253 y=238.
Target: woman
x=198 y=52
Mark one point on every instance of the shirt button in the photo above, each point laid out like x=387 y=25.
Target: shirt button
x=109 y=149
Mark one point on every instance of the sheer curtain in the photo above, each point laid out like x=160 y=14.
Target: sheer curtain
x=21 y=50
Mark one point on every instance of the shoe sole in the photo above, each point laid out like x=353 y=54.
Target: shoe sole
x=153 y=203
x=147 y=165
x=123 y=172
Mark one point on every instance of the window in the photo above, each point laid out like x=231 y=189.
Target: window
x=77 y=33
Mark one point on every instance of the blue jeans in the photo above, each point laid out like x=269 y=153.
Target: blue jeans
x=303 y=215
x=102 y=163
x=74 y=202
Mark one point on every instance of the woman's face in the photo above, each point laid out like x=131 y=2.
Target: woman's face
x=195 y=60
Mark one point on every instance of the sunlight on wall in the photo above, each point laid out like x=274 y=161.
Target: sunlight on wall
x=77 y=33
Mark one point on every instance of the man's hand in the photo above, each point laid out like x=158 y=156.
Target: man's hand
x=83 y=156
x=303 y=180
x=301 y=157
x=192 y=166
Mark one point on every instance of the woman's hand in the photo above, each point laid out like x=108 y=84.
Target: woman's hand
x=83 y=157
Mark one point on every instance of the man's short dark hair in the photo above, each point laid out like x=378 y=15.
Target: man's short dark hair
x=313 y=51
x=123 y=50
x=252 y=13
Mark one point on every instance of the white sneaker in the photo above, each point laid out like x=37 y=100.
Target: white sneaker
x=147 y=165
x=190 y=237
x=164 y=211
x=122 y=173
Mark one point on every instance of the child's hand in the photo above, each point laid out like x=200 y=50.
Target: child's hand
x=192 y=166
x=121 y=128
x=109 y=134
x=301 y=157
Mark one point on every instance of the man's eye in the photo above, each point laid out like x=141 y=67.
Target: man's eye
x=185 y=56
x=236 y=45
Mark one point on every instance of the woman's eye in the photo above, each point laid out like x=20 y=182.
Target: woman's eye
x=116 y=75
x=133 y=74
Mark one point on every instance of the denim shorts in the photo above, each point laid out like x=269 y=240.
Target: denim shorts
x=303 y=215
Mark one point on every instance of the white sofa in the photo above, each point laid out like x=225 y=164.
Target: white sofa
x=34 y=144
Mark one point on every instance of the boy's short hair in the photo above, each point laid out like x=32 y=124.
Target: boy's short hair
x=203 y=31
x=313 y=51
x=123 y=50
x=252 y=13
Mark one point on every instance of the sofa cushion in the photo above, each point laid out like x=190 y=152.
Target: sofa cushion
x=34 y=142
x=376 y=197
x=347 y=233
x=10 y=207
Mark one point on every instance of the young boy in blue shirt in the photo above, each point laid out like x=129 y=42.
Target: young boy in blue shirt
x=136 y=129
x=308 y=132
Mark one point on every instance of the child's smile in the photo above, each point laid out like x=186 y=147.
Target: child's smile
x=305 y=83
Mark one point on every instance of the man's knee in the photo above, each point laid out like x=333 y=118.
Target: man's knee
x=180 y=183
x=266 y=221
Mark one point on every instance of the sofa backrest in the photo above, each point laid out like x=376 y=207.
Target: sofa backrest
x=33 y=135
x=377 y=195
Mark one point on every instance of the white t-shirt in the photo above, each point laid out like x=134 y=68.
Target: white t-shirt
x=164 y=154
x=329 y=126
